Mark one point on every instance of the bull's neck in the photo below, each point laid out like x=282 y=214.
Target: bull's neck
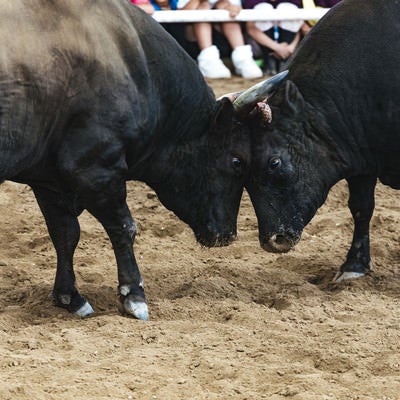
x=172 y=138
x=335 y=147
x=162 y=161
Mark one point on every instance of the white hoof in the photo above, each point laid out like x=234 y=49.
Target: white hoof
x=85 y=310
x=137 y=308
x=344 y=276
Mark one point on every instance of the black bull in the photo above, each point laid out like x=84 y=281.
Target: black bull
x=337 y=116
x=95 y=93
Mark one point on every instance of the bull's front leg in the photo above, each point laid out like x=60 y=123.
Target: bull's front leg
x=361 y=204
x=110 y=208
x=64 y=231
x=131 y=288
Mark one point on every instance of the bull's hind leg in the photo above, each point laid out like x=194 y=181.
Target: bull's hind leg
x=361 y=204
x=63 y=227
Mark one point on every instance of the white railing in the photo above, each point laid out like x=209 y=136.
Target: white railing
x=244 y=15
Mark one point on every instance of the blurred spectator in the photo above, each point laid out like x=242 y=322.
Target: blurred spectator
x=306 y=27
x=210 y=37
x=277 y=40
x=175 y=29
x=145 y=5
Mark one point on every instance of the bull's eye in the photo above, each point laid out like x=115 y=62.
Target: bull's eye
x=274 y=163
x=236 y=163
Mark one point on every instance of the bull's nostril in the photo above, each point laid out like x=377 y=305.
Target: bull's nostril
x=280 y=239
x=279 y=242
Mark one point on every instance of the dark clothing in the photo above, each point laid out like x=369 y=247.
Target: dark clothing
x=271 y=64
x=177 y=31
x=274 y=3
x=326 y=3
x=298 y=3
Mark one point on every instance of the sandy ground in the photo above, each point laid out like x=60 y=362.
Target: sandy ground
x=226 y=323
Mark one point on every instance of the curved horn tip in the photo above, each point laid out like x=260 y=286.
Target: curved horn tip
x=279 y=77
x=269 y=85
x=264 y=89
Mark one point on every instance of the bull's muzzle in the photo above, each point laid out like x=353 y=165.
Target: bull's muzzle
x=216 y=240
x=280 y=242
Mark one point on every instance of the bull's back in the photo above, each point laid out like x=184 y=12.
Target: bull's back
x=49 y=49
x=90 y=57
x=49 y=38
x=31 y=30
x=356 y=45
x=347 y=68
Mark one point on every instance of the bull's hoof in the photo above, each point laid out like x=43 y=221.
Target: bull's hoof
x=74 y=303
x=85 y=310
x=133 y=304
x=346 y=275
x=135 y=308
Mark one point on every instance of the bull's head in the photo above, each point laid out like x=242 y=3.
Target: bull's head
x=291 y=172
x=206 y=183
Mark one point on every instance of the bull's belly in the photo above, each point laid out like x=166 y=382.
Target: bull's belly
x=391 y=180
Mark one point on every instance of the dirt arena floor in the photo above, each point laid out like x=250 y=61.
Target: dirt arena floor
x=226 y=323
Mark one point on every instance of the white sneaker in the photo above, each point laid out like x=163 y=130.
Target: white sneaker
x=243 y=61
x=210 y=64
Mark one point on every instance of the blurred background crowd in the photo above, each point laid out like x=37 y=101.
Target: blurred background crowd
x=253 y=48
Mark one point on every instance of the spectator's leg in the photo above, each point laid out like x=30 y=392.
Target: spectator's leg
x=285 y=36
x=220 y=40
x=210 y=63
x=289 y=31
x=270 y=62
x=242 y=55
x=203 y=34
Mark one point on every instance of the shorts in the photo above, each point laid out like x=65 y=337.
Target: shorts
x=182 y=3
x=291 y=26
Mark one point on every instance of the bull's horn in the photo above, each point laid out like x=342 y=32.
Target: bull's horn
x=246 y=101
x=231 y=96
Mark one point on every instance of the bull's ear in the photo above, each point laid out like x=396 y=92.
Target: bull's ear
x=223 y=114
x=293 y=98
